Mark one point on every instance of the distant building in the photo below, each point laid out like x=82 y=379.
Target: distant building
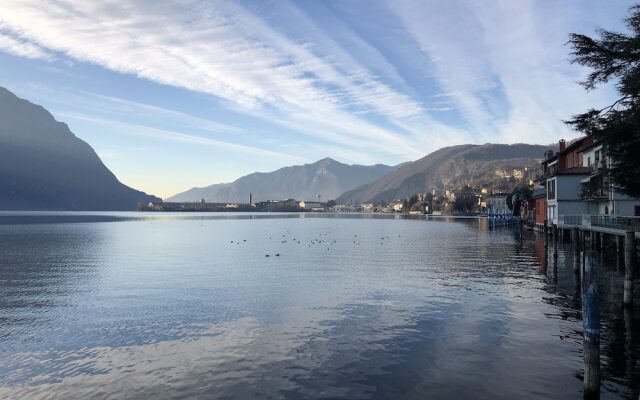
x=308 y=205
x=497 y=205
x=367 y=207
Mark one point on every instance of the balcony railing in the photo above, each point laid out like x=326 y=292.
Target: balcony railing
x=575 y=220
x=595 y=194
x=613 y=222
x=601 y=221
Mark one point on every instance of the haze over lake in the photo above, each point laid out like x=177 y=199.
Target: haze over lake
x=159 y=306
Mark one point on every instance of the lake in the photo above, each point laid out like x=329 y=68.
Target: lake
x=201 y=306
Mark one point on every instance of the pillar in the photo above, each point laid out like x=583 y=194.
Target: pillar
x=590 y=324
x=629 y=265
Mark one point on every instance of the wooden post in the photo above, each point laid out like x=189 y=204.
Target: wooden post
x=575 y=237
x=555 y=231
x=592 y=240
x=602 y=235
x=618 y=244
x=628 y=342
x=629 y=266
x=590 y=324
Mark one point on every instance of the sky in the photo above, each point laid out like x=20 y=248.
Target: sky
x=173 y=95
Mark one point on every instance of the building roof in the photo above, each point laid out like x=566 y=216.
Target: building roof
x=593 y=144
x=580 y=144
x=539 y=193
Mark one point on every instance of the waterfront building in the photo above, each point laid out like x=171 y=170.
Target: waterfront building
x=598 y=192
x=576 y=182
x=309 y=205
x=497 y=206
x=563 y=172
x=540 y=198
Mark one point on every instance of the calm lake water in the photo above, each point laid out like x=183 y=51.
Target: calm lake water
x=200 y=306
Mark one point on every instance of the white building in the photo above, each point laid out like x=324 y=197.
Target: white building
x=497 y=206
x=598 y=192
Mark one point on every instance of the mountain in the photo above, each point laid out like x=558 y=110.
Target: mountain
x=448 y=167
x=44 y=166
x=327 y=177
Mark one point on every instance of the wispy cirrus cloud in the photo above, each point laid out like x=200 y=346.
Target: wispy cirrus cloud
x=221 y=49
x=174 y=136
x=23 y=48
x=388 y=80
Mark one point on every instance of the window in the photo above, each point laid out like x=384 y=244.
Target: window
x=551 y=189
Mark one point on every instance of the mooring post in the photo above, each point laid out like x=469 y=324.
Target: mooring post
x=628 y=342
x=618 y=244
x=555 y=241
x=629 y=266
x=575 y=238
x=590 y=325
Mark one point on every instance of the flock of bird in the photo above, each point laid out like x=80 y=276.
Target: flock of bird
x=322 y=239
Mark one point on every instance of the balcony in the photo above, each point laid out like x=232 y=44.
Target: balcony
x=595 y=187
x=598 y=194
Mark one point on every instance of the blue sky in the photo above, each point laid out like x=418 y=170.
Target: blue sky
x=176 y=95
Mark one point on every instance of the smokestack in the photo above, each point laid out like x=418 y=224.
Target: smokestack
x=562 y=143
x=250 y=198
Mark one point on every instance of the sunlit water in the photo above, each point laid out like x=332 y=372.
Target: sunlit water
x=159 y=306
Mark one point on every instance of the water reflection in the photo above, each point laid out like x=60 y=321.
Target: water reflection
x=353 y=307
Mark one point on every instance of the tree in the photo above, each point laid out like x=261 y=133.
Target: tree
x=614 y=57
x=428 y=201
x=466 y=200
x=516 y=197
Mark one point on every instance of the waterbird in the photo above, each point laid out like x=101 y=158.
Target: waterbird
x=266 y=255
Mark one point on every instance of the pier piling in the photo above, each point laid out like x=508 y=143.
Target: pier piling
x=618 y=244
x=555 y=232
x=575 y=239
x=591 y=325
x=629 y=266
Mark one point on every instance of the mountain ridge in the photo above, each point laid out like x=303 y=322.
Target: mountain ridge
x=446 y=167
x=327 y=177
x=44 y=166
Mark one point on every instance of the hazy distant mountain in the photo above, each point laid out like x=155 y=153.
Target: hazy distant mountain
x=44 y=166
x=326 y=177
x=448 y=167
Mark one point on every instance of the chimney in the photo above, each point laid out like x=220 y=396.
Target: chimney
x=562 y=143
x=250 y=198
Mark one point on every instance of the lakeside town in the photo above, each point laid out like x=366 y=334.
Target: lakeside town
x=571 y=181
